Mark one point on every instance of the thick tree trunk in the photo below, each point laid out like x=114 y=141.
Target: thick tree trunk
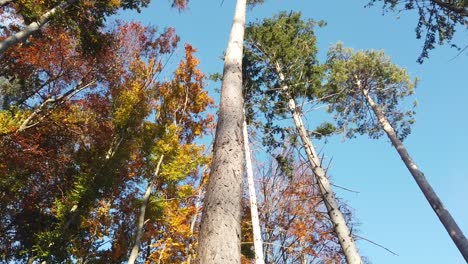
x=141 y=217
x=220 y=230
x=257 y=234
x=444 y=215
x=336 y=217
x=33 y=27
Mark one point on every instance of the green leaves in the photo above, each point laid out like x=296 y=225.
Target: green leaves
x=282 y=45
x=349 y=73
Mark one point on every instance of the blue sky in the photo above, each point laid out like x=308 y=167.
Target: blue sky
x=390 y=207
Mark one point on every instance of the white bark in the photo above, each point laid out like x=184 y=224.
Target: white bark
x=444 y=215
x=220 y=230
x=141 y=217
x=336 y=217
x=33 y=27
x=257 y=234
x=27 y=122
x=194 y=219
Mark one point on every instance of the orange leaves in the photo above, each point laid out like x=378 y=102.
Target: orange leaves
x=183 y=100
x=82 y=162
x=180 y=4
x=294 y=218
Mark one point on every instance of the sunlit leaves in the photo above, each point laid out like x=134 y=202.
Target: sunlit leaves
x=77 y=166
x=283 y=44
x=387 y=83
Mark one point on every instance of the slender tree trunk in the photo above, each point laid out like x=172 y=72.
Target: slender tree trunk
x=33 y=27
x=51 y=101
x=141 y=217
x=257 y=234
x=194 y=219
x=444 y=215
x=340 y=226
x=220 y=230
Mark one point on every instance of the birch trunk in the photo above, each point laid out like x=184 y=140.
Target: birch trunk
x=33 y=27
x=336 y=217
x=257 y=234
x=141 y=217
x=444 y=215
x=220 y=230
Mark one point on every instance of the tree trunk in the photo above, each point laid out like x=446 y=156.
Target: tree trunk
x=336 y=217
x=194 y=219
x=444 y=215
x=141 y=217
x=33 y=27
x=220 y=230
x=257 y=234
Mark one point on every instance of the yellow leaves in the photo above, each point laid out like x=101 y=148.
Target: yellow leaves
x=130 y=104
x=183 y=100
x=114 y=3
x=10 y=122
x=186 y=191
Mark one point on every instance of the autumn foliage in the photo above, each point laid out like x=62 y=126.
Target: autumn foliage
x=80 y=134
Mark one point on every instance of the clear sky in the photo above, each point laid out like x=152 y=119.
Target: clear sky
x=390 y=207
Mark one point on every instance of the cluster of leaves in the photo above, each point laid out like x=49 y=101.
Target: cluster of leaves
x=438 y=20
x=85 y=19
x=294 y=219
x=81 y=134
x=280 y=52
x=385 y=82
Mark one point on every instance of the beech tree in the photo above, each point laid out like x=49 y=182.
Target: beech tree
x=281 y=59
x=296 y=227
x=367 y=82
x=77 y=158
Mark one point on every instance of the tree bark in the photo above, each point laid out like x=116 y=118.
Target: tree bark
x=33 y=27
x=336 y=217
x=220 y=230
x=141 y=217
x=194 y=219
x=444 y=215
x=257 y=234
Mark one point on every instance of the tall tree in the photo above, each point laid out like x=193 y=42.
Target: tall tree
x=438 y=20
x=257 y=233
x=180 y=119
x=74 y=164
x=366 y=81
x=220 y=230
x=281 y=57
